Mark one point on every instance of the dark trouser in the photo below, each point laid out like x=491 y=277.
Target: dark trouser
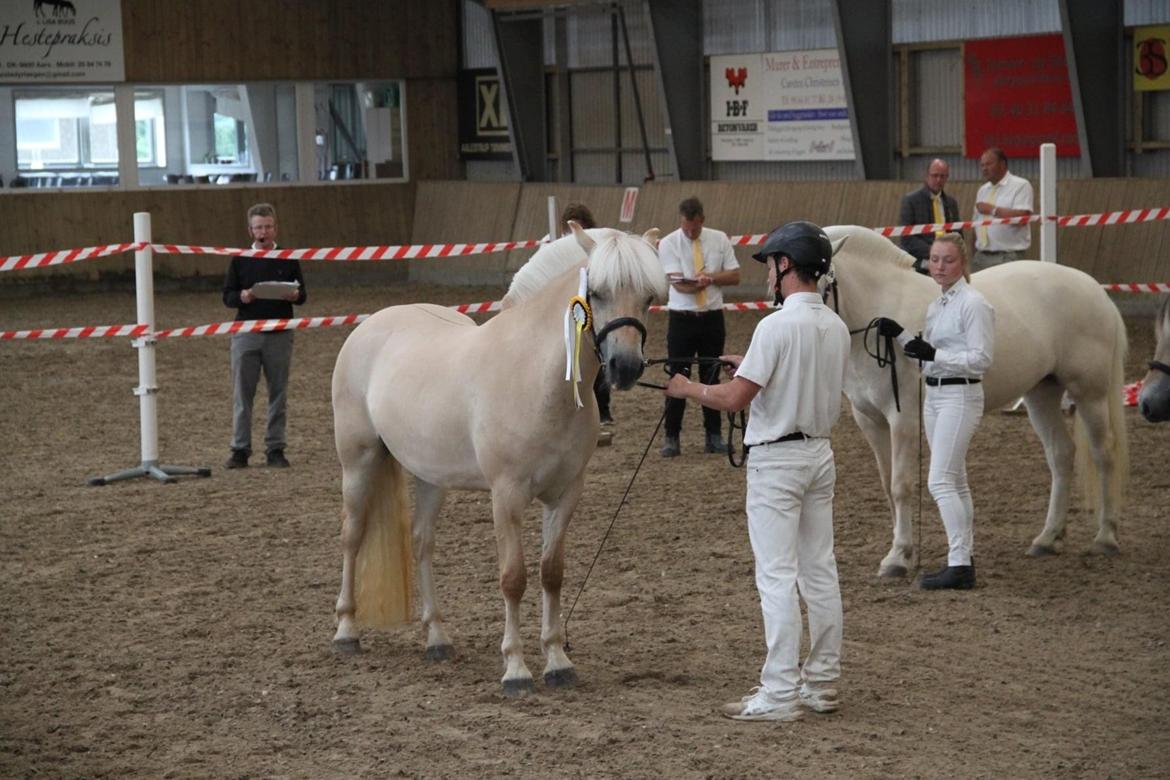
x=251 y=353
x=689 y=335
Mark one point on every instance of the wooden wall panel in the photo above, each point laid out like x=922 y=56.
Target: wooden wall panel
x=361 y=214
x=467 y=212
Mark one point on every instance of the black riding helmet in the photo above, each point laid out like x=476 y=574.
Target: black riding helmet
x=803 y=243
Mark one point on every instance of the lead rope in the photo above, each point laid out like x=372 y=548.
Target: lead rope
x=580 y=590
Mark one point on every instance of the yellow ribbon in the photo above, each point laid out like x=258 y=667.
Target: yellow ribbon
x=582 y=317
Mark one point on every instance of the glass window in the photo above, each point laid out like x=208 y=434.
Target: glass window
x=58 y=129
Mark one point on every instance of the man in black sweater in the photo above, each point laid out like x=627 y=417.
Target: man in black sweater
x=270 y=351
x=926 y=206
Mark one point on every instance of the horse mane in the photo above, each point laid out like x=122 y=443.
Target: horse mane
x=614 y=263
x=869 y=244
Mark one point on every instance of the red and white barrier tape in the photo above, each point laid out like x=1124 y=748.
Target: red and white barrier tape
x=911 y=230
x=83 y=332
x=404 y=252
x=1130 y=393
x=1149 y=287
x=62 y=256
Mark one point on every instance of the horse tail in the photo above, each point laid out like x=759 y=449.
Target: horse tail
x=1117 y=436
x=384 y=568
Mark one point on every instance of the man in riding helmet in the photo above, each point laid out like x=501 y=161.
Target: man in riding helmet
x=792 y=376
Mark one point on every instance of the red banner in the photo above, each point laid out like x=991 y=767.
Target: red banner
x=1018 y=96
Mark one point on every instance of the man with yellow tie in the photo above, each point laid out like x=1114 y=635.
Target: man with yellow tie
x=1002 y=195
x=698 y=262
x=928 y=204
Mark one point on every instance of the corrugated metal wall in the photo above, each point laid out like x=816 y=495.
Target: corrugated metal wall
x=731 y=26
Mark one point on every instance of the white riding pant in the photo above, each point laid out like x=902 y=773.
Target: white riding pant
x=790 y=522
x=951 y=414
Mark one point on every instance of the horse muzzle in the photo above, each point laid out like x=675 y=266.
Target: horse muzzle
x=623 y=362
x=622 y=370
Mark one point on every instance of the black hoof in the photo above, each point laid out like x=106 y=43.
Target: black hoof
x=518 y=688
x=347 y=646
x=440 y=653
x=561 y=678
x=892 y=572
x=1041 y=551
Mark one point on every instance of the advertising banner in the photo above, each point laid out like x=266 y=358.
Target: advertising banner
x=780 y=106
x=483 y=116
x=52 y=41
x=1149 y=58
x=1017 y=96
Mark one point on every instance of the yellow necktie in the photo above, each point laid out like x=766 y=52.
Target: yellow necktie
x=939 y=217
x=701 y=295
x=982 y=243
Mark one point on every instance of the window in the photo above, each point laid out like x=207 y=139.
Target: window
x=58 y=129
x=231 y=140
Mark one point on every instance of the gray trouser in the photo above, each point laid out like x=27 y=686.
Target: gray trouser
x=252 y=352
x=983 y=260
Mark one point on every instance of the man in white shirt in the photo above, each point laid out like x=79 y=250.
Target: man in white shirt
x=792 y=376
x=1002 y=195
x=698 y=262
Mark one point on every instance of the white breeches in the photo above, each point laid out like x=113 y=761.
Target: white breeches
x=951 y=414
x=790 y=522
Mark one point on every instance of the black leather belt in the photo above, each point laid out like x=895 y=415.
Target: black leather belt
x=688 y=313
x=790 y=437
x=934 y=381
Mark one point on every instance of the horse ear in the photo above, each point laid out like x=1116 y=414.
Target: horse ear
x=837 y=246
x=583 y=238
x=651 y=236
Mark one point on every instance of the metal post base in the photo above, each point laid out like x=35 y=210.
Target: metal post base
x=163 y=473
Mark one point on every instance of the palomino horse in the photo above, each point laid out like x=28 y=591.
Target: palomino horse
x=1055 y=331
x=420 y=390
x=1154 y=400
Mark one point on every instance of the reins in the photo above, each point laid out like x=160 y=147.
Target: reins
x=736 y=421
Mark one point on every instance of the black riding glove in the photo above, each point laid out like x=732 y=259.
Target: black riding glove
x=917 y=349
x=888 y=328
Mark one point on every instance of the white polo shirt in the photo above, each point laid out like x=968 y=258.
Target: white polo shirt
x=1011 y=192
x=797 y=357
x=677 y=255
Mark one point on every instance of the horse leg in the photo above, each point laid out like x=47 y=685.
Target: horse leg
x=1043 y=402
x=558 y=671
x=359 y=469
x=508 y=504
x=1094 y=416
x=428 y=500
x=876 y=430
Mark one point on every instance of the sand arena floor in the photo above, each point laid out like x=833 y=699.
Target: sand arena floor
x=184 y=630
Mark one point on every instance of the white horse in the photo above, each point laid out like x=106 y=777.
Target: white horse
x=1154 y=400
x=423 y=391
x=1055 y=331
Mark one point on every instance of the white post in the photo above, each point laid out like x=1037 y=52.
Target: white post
x=1047 y=202
x=554 y=220
x=147 y=387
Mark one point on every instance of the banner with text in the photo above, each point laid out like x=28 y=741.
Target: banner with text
x=1018 y=96
x=51 y=41
x=483 y=116
x=787 y=105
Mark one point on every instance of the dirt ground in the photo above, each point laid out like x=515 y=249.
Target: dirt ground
x=184 y=630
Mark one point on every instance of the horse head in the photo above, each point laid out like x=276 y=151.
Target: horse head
x=625 y=277
x=1154 y=400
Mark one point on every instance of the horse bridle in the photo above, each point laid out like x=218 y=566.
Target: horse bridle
x=1157 y=365
x=883 y=356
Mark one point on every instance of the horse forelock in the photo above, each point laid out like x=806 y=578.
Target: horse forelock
x=625 y=261
x=867 y=244
x=549 y=262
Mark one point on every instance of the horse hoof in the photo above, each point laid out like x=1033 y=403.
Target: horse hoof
x=892 y=571
x=1105 y=548
x=347 y=646
x=518 y=687
x=440 y=653
x=561 y=678
x=1041 y=551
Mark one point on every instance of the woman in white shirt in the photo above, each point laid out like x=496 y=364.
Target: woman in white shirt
x=955 y=350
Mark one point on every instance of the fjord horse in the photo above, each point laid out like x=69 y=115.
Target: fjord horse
x=420 y=391
x=1055 y=331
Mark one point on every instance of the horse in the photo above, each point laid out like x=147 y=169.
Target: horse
x=1154 y=400
x=1056 y=331
x=422 y=391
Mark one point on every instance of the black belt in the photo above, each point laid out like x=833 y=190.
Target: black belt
x=688 y=313
x=934 y=381
x=798 y=436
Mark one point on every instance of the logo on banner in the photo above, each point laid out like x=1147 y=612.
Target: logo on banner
x=60 y=8
x=629 y=200
x=736 y=79
x=1150 y=62
x=490 y=118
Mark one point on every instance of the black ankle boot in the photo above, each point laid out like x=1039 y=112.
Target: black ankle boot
x=949 y=578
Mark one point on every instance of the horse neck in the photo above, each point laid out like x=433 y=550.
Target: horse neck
x=544 y=314
x=869 y=288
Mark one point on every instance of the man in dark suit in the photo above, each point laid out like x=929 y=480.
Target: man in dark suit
x=928 y=205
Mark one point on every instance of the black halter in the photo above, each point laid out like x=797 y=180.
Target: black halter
x=612 y=325
x=1156 y=365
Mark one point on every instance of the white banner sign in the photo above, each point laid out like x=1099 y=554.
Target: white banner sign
x=47 y=41
x=779 y=106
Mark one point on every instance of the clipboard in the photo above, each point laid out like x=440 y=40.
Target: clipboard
x=274 y=290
